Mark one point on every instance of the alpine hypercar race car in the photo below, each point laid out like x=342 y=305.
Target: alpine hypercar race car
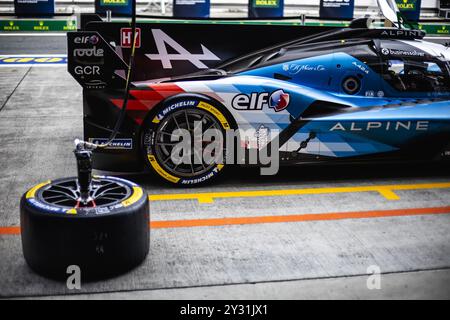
x=324 y=94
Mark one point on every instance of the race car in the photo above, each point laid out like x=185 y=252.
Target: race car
x=336 y=95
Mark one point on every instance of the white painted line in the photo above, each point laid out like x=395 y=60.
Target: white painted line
x=33 y=34
x=50 y=55
x=437 y=38
x=53 y=65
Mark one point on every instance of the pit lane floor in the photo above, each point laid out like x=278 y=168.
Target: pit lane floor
x=309 y=232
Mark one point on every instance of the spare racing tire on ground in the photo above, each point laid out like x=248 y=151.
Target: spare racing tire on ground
x=105 y=237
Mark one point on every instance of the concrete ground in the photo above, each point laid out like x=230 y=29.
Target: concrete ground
x=33 y=43
x=303 y=236
x=405 y=285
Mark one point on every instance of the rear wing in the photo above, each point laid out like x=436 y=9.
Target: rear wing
x=98 y=54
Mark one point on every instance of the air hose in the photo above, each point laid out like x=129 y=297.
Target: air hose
x=83 y=149
x=84 y=145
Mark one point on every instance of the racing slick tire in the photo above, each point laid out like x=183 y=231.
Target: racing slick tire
x=181 y=112
x=104 y=238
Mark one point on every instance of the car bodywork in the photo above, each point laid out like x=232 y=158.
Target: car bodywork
x=352 y=94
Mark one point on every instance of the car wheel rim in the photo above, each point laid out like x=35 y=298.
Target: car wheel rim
x=165 y=142
x=104 y=192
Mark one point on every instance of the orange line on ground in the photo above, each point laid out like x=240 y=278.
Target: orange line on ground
x=277 y=219
x=298 y=217
x=9 y=230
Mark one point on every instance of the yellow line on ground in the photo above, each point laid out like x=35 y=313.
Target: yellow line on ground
x=386 y=191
